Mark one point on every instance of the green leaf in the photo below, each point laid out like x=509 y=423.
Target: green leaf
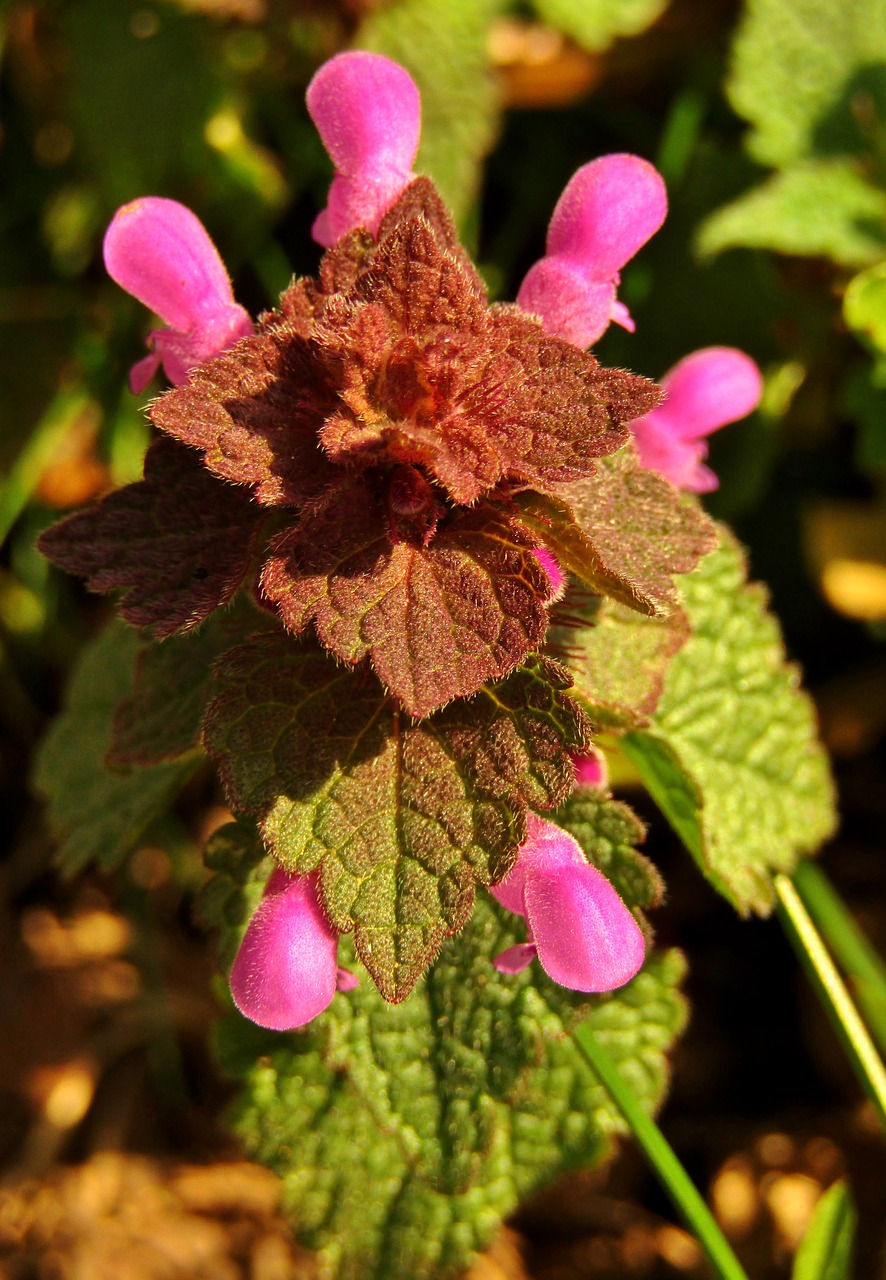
x=595 y=24
x=617 y=657
x=174 y=682
x=443 y=45
x=405 y=1134
x=805 y=75
x=825 y=1252
x=731 y=754
x=97 y=815
x=401 y=816
x=864 y=306
x=624 y=532
x=816 y=208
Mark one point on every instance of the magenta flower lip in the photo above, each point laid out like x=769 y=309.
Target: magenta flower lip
x=367 y=110
x=608 y=210
x=160 y=252
x=704 y=391
x=286 y=971
x=583 y=934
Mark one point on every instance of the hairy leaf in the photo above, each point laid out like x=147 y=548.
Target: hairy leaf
x=178 y=543
x=405 y=1134
x=436 y=620
x=595 y=24
x=174 y=681
x=804 y=72
x=731 y=753
x=625 y=532
x=255 y=413
x=816 y=208
x=97 y=815
x=618 y=658
x=401 y=817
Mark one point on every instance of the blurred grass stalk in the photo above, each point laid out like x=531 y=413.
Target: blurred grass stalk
x=815 y=957
x=859 y=960
x=16 y=489
x=662 y=1158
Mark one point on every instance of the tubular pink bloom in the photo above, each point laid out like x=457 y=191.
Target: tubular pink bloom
x=608 y=211
x=705 y=391
x=591 y=769
x=368 y=112
x=556 y=576
x=286 y=971
x=160 y=252
x=583 y=934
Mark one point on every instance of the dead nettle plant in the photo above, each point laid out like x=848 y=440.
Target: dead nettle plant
x=398 y=558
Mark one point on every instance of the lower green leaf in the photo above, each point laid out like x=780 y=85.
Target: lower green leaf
x=99 y=815
x=825 y=1252
x=731 y=753
x=405 y=1134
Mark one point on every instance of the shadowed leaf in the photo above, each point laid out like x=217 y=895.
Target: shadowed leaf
x=178 y=543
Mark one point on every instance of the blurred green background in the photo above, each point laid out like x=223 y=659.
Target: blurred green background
x=768 y=122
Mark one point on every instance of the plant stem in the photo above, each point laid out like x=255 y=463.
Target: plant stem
x=662 y=1158
x=19 y=484
x=847 y=943
x=832 y=990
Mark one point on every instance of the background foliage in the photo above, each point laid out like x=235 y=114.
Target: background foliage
x=767 y=121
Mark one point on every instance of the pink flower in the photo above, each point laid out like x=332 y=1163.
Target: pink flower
x=583 y=934
x=607 y=212
x=705 y=390
x=160 y=252
x=368 y=112
x=591 y=769
x=556 y=576
x=286 y=971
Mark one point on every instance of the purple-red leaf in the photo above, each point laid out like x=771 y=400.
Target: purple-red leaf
x=178 y=543
x=436 y=620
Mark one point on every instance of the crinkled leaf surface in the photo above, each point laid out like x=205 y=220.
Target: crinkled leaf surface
x=174 y=682
x=624 y=532
x=816 y=208
x=797 y=65
x=98 y=815
x=617 y=657
x=436 y=621
x=402 y=817
x=404 y=1134
x=731 y=753
x=595 y=24
x=178 y=543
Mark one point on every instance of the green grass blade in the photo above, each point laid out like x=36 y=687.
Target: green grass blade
x=825 y=1251
x=662 y=1158
x=846 y=942
x=833 y=993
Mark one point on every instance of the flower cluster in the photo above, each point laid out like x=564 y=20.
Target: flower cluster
x=358 y=459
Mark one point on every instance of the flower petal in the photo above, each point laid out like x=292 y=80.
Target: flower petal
x=515 y=959
x=286 y=970
x=367 y=110
x=608 y=210
x=570 y=304
x=591 y=769
x=587 y=939
x=708 y=389
x=556 y=576
x=160 y=252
